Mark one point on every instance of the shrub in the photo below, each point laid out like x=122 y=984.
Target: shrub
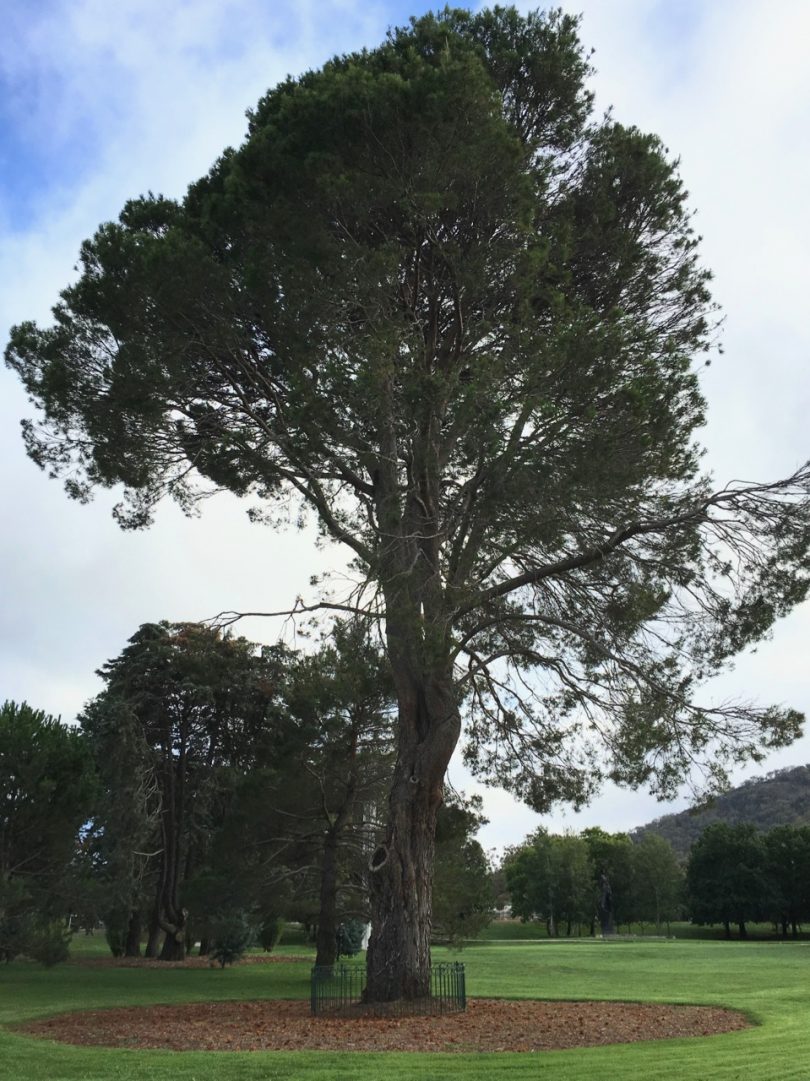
x=232 y=935
x=350 y=937
x=115 y=932
x=270 y=932
x=50 y=943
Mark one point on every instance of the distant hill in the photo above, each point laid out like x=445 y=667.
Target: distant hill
x=781 y=798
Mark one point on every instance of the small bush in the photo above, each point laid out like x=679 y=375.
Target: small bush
x=350 y=937
x=116 y=935
x=270 y=932
x=232 y=935
x=50 y=943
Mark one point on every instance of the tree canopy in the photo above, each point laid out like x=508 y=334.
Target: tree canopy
x=341 y=697
x=47 y=788
x=239 y=782
x=437 y=303
x=463 y=895
x=184 y=708
x=47 y=785
x=561 y=879
x=727 y=876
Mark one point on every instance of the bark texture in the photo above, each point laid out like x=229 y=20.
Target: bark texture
x=132 y=947
x=153 y=941
x=401 y=868
x=171 y=916
x=326 y=940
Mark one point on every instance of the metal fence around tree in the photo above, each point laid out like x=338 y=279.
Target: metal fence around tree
x=338 y=990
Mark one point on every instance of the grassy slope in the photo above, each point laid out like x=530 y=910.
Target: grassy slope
x=768 y=980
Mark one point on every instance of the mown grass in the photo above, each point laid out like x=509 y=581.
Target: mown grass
x=770 y=981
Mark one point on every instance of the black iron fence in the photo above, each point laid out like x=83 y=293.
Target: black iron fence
x=338 y=990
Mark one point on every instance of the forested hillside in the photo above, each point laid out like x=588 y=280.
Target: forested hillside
x=781 y=798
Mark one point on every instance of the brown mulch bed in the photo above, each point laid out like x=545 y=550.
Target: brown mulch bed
x=281 y=1025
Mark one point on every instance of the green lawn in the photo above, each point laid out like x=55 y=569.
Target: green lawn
x=769 y=980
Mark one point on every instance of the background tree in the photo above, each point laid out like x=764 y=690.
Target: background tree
x=658 y=881
x=190 y=704
x=787 y=868
x=572 y=868
x=463 y=894
x=47 y=787
x=434 y=299
x=303 y=820
x=551 y=877
x=528 y=873
x=726 y=877
x=119 y=862
x=502 y=898
x=252 y=864
x=561 y=878
x=612 y=869
x=343 y=693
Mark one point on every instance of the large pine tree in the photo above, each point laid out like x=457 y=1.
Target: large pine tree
x=457 y=317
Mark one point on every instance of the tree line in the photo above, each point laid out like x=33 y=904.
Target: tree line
x=594 y=880
x=738 y=875
x=734 y=875
x=215 y=788
x=212 y=789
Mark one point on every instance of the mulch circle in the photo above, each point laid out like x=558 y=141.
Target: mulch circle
x=283 y=1025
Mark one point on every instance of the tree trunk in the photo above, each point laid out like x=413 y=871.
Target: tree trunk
x=398 y=958
x=743 y=930
x=153 y=942
x=132 y=947
x=552 y=919
x=172 y=918
x=174 y=944
x=326 y=940
x=205 y=946
x=727 y=927
x=401 y=868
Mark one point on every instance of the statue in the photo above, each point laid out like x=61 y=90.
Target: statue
x=605 y=906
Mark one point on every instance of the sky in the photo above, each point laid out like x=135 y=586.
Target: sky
x=100 y=102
